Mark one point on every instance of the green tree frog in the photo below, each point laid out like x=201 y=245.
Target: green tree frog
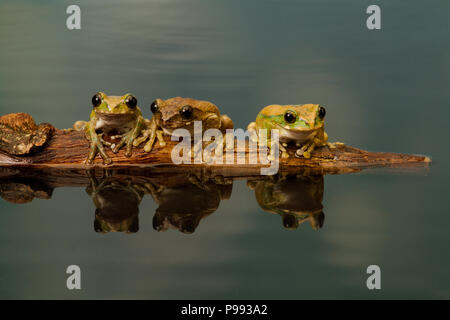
x=117 y=117
x=299 y=124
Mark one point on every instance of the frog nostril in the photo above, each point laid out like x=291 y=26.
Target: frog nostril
x=186 y=112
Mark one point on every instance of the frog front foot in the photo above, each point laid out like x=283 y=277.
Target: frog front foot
x=156 y=135
x=334 y=145
x=307 y=148
x=150 y=133
x=127 y=139
x=97 y=147
x=305 y=151
x=283 y=153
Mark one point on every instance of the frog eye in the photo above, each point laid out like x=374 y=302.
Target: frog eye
x=290 y=117
x=131 y=101
x=321 y=112
x=290 y=221
x=154 y=107
x=96 y=100
x=186 y=112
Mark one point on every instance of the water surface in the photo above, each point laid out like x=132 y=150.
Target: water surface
x=384 y=90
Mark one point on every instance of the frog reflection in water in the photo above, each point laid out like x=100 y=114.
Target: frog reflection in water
x=302 y=125
x=115 y=117
x=199 y=200
x=117 y=203
x=296 y=199
x=180 y=113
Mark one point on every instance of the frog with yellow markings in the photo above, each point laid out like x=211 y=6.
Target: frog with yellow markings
x=180 y=113
x=118 y=117
x=299 y=124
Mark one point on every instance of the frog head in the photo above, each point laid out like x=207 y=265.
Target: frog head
x=307 y=117
x=299 y=123
x=126 y=104
x=180 y=113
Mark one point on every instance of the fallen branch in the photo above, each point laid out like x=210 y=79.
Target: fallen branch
x=27 y=145
x=69 y=149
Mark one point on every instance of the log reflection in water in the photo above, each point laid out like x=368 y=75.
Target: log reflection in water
x=117 y=195
x=184 y=197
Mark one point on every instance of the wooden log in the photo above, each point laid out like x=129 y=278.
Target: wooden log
x=61 y=163
x=67 y=150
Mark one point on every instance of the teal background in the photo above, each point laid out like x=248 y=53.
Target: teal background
x=384 y=90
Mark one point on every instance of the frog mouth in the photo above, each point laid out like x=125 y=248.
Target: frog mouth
x=171 y=131
x=298 y=135
x=113 y=116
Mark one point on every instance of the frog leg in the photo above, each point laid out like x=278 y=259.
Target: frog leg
x=251 y=128
x=309 y=147
x=199 y=183
x=80 y=125
x=281 y=148
x=334 y=145
x=96 y=146
x=222 y=123
x=307 y=153
x=227 y=123
x=284 y=153
x=151 y=133
x=305 y=150
x=129 y=137
x=154 y=134
x=145 y=133
x=91 y=189
x=106 y=143
x=159 y=136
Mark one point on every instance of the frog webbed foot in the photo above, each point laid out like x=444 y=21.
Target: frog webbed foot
x=127 y=140
x=276 y=146
x=300 y=153
x=150 y=134
x=104 y=142
x=97 y=146
x=159 y=135
x=334 y=145
x=306 y=149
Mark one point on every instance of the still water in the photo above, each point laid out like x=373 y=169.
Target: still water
x=384 y=90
